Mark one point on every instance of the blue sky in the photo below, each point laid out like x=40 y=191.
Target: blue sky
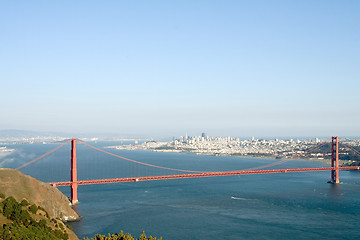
x=163 y=68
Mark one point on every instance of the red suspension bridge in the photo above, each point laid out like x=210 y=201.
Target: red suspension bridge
x=74 y=182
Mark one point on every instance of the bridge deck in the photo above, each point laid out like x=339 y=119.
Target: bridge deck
x=198 y=175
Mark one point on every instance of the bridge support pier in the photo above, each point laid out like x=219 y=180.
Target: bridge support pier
x=335 y=160
x=73 y=174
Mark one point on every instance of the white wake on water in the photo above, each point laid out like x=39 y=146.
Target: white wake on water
x=237 y=198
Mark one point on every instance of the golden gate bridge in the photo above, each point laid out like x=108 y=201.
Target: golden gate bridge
x=74 y=182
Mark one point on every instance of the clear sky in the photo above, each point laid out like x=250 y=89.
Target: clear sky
x=164 y=68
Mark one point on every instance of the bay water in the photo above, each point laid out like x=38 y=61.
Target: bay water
x=267 y=206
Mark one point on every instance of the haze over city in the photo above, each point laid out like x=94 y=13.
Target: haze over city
x=164 y=68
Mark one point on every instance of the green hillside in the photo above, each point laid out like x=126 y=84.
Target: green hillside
x=21 y=220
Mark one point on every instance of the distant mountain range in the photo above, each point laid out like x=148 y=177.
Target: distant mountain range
x=15 y=133
x=26 y=134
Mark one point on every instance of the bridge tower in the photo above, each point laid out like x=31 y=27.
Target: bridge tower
x=73 y=173
x=335 y=160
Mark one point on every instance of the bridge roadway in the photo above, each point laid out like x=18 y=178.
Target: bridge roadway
x=197 y=175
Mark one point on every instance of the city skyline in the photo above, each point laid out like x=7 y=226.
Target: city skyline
x=233 y=68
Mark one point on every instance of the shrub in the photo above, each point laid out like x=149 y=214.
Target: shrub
x=24 y=203
x=9 y=205
x=42 y=223
x=41 y=208
x=33 y=209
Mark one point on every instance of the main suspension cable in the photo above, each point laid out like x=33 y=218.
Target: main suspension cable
x=131 y=160
x=351 y=148
x=36 y=159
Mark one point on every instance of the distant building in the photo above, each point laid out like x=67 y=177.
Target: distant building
x=203 y=135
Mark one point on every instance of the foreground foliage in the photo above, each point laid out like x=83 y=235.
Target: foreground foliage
x=122 y=236
x=22 y=226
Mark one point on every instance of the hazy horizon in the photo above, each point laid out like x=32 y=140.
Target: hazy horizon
x=228 y=68
x=15 y=133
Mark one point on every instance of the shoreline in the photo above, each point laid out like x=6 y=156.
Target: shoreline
x=327 y=161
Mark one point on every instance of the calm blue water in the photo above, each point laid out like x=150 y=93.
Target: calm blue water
x=272 y=206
